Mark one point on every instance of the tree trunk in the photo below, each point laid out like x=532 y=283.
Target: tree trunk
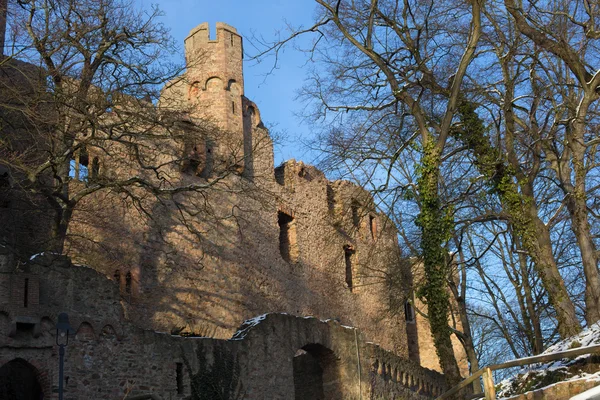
x=537 y=342
x=546 y=268
x=435 y=229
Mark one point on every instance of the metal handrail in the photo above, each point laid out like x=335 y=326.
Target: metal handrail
x=519 y=362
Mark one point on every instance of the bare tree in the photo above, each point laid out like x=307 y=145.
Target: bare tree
x=81 y=113
x=381 y=59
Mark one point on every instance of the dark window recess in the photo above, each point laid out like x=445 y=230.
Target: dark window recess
x=179 y=377
x=280 y=175
x=128 y=283
x=25 y=328
x=26 y=293
x=95 y=171
x=355 y=214
x=409 y=312
x=233 y=107
x=4 y=188
x=373 y=226
x=330 y=198
x=117 y=276
x=349 y=259
x=287 y=237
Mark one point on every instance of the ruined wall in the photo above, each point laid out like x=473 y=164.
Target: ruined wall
x=253 y=239
x=250 y=238
x=110 y=358
x=307 y=247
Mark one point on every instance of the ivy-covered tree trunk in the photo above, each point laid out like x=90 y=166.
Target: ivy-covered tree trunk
x=436 y=224
x=518 y=202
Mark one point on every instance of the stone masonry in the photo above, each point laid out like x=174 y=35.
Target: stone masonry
x=283 y=242
x=269 y=357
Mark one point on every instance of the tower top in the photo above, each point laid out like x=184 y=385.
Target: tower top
x=199 y=38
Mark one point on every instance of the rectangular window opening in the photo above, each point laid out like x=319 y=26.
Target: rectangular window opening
x=373 y=226
x=26 y=293
x=128 y=283
x=409 y=312
x=288 y=246
x=179 y=377
x=349 y=258
x=330 y=198
x=355 y=214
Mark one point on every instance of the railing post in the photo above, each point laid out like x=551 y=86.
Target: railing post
x=488 y=384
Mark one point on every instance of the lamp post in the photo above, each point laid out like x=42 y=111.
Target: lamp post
x=63 y=329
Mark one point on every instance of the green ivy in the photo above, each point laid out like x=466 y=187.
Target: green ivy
x=436 y=224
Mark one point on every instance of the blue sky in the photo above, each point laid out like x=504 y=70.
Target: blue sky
x=274 y=94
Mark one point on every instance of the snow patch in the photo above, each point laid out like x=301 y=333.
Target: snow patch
x=588 y=394
x=247 y=325
x=43 y=253
x=588 y=337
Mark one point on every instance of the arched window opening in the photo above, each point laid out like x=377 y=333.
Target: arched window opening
x=19 y=380
x=316 y=374
x=79 y=165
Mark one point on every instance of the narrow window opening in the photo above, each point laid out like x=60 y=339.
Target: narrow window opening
x=330 y=198
x=95 y=171
x=355 y=214
x=349 y=258
x=117 y=276
x=26 y=293
x=233 y=107
x=179 y=377
x=79 y=166
x=128 y=283
x=231 y=38
x=208 y=159
x=288 y=247
x=409 y=312
x=373 y=226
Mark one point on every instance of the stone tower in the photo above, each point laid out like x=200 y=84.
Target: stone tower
x=212 y=89
x=214 y=75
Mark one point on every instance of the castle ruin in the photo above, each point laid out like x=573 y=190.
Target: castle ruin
x=157 y=302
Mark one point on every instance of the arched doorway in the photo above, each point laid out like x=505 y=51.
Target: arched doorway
x=316 y=374
x=18 y=381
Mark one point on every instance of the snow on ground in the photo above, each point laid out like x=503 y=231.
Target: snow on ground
x=542 y=372
x=588 y=394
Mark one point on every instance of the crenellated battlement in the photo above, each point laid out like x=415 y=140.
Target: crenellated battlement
x=215 y=58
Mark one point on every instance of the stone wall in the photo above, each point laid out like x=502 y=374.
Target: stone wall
x=110 y=358
x=249 y=239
